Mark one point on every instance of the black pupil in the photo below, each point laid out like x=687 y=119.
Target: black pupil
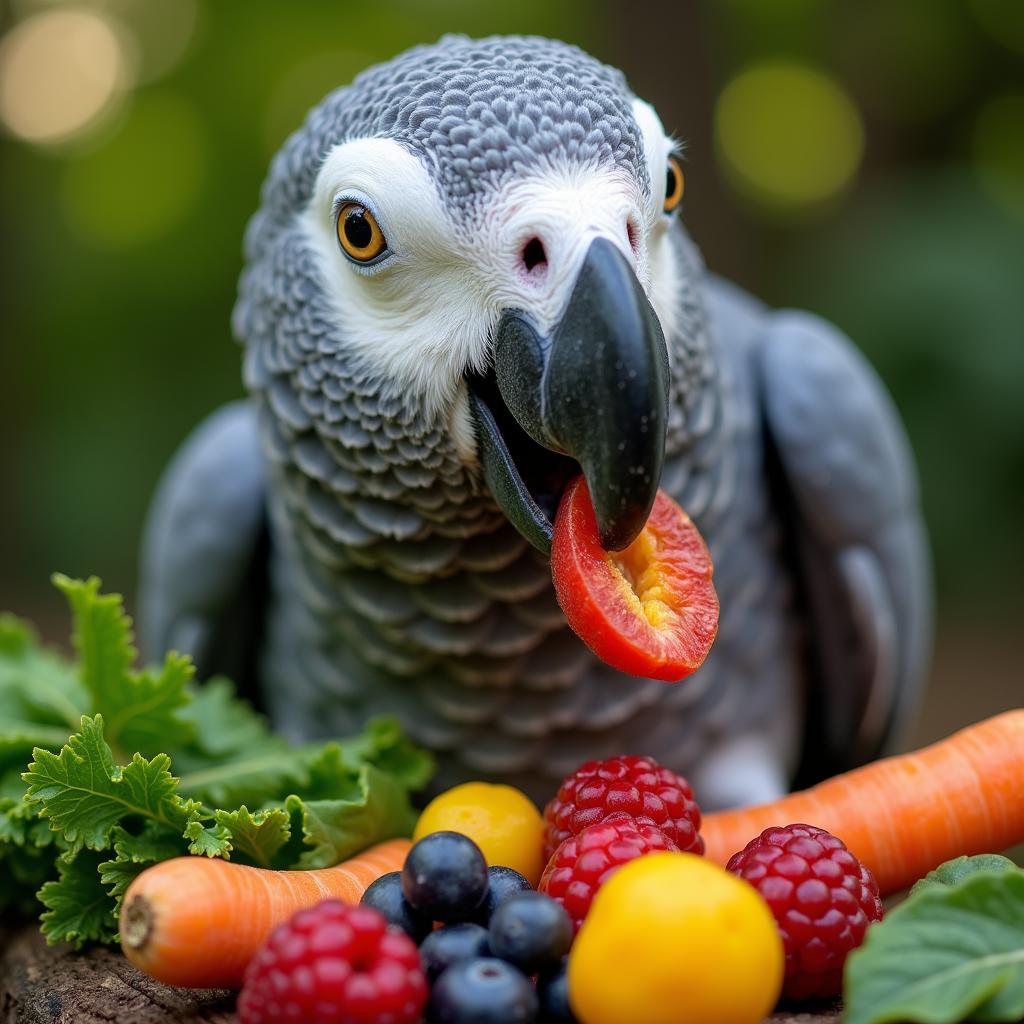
x=670 y=183
x=357 y=229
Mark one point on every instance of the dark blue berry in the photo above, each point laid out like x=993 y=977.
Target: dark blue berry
x=385 y=895
x=531 y=931
x=484 y=991
x=553 y=996
x=502 y=883
x=451 y=945
x=445 y=877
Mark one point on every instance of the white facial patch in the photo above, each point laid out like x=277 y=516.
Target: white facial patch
x=425 y=314
x=663 y=290
x=417 y=318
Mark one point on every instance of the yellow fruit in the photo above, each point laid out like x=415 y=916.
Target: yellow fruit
x=673 y=939
x=501 y=820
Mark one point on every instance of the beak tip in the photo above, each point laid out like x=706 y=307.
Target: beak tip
x=618 y=532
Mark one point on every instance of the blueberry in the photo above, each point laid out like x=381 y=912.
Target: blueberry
x=531 y=931
x=502 y=883
x=445 y=877
x=385 y=895
x=484 y=991
x=451 y=945
x=553 y=996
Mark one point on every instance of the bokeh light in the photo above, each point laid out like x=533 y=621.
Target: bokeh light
x=143 y=181
x=162 y=32
x=787 y=135
x=998 y=150
x=61 y=72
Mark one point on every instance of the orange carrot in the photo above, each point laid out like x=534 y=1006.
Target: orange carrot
x=197 y=922
x=905 y=815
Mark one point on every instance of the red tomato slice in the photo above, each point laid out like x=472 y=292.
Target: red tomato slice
x=650 y=610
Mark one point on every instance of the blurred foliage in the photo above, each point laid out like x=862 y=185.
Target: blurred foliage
x=874 y=172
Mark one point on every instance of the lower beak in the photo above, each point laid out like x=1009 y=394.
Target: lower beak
x=593 y=392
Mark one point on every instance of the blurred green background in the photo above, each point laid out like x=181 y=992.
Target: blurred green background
x=864 y=160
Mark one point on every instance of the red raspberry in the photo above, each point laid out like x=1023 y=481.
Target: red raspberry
x=583 y=863
x=822 y=897
x=637 y=786
x=334 y=964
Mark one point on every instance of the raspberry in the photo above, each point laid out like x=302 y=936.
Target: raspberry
x=336 y=965
x=637 y=786
x=822 y=897
x=583 y=863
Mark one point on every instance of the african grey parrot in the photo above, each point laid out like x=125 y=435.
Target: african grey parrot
x=468 y=280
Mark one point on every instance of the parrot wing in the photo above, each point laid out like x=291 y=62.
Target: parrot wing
x=204 y=553
x=847 y=487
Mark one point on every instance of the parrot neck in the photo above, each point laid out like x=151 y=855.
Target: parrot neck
x=696 y=381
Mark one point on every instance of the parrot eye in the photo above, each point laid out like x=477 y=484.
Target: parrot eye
x=359 y=233
x=673 y=185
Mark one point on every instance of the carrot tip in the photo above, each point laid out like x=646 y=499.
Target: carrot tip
x=136 y=923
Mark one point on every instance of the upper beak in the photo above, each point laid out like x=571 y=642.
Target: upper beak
x=595 y=390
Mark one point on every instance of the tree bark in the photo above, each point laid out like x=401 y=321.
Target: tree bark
x=55 y=985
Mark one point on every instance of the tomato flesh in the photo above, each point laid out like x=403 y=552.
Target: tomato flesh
x=650 y=610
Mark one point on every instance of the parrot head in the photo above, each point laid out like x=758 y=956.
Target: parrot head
x=485 y=226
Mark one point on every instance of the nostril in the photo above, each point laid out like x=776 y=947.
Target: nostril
x=534 y=255
x=632 y=234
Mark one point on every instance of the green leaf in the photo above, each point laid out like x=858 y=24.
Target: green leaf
x=147 y=719
x=225 y=727
x=17 y=637
x=102 y=637
x=16 y=818
x=369 y=808
x=17 y=736
x=41 y=700
x=141 y=709
x=953 y=872
x=26 y=856
x=948 y=954
x=383 y=743
x=274 y=770
x=11 y=786
x=258 y=837
x=22 y=827
x=153 y=843
x=82 y=823
x=22 y=871
x=84 y=794
x=115 y=877
x=133 y=854
x=77 y=907
x=208 y=841
x=256 y=780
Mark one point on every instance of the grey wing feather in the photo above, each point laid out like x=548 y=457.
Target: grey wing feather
x=203 y=558
x=848 y=484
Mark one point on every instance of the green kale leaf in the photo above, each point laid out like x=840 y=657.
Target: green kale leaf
x=131 y=767
x=84 y=794
x=77 y=907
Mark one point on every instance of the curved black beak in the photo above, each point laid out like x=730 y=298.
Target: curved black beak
x=593 y=392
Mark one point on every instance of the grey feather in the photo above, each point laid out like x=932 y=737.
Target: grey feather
x=201 y=560
x=850 y=481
